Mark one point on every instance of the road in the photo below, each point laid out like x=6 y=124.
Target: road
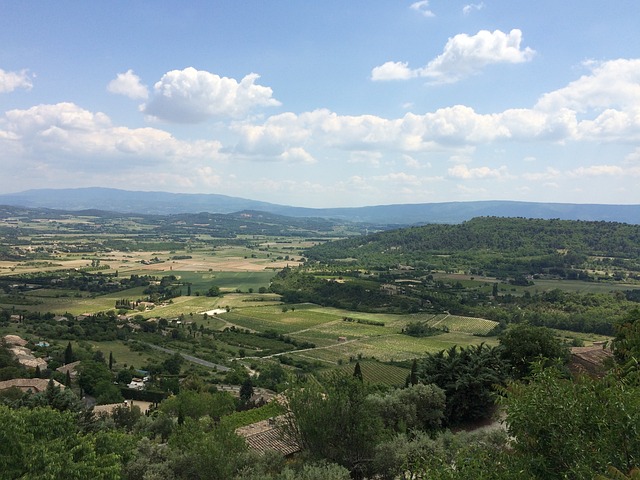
x=191 y=358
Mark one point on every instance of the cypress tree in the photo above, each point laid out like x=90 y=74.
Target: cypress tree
x=68 y=354
x=357 y=372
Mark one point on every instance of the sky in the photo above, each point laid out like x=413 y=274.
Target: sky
x=324 y=103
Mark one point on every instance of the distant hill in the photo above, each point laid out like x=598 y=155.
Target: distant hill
x=163 y=203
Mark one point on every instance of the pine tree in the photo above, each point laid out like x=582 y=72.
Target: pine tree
x=38 y=373
x=110 y=360
x=67 y=379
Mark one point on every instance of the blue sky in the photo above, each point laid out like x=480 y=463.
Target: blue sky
x=326 y=103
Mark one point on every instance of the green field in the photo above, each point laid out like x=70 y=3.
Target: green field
x=227 y=281
x=339 y=341
x=376 y=372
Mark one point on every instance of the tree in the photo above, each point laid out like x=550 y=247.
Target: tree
x=522 y=344
x=417 y=407
x=213 y=291
x=573 y=429
x=201 y=450
x=357 y=372
x=68 y=354
x=626 y=346
x=42 y=443
x=173 y=364
x=246 y=390
x=334 y=420
x=468 y=377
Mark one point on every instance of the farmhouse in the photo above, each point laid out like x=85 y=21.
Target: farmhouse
x=34 y=385
x=590 y=360
x=72 y=368
x=266 y=435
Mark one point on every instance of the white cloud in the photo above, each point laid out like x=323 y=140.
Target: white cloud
x=129 y=85
x=67 y=134
x=467 y=9
x=596 y=171
x=614 y=83
x=297 y=155
x=393 y=71
x=399 y=178
x=10 y=81
x=466 y=55
x=422 y=7
x=466 y=173
x=463 y=55
x=192 y=96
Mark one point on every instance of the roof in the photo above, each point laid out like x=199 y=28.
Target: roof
x=26 y=358
x=69 y=367
x=14 y=340
x=266 y=435
x=590 y=360
x=26 y=384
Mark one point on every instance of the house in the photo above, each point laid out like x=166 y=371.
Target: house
x=267 y=435
x=72 y=368
x=34 y=385
x=14 y=340
x=26 y=358
x=136 y=383
x=145 y=407
x=590 y=360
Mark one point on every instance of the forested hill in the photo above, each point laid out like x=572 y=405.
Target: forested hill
x=510 y=237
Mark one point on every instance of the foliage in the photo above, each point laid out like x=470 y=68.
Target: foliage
x=253 y=415
x=447 y=456
x=468 y=377
x=194 y=405
x=416 y=407
x=626 y=345
x=522 y=344
x=421 y=329
x=334 y=420
x=42 y=443
x=573 y=429
x=202 y=450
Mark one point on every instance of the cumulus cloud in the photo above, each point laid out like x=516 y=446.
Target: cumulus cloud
x=393 y=71
x=463 y=55
x=10 y=81
x=65 y=133
x=471 y=7
x=422 y=7
x=192 y=96
x=129 y=85
x=297 y=155
x=614 y=83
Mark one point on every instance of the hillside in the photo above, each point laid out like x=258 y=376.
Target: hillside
x=514 y=245
x=162 y=203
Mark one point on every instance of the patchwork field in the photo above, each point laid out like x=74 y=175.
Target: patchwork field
x=339 y=341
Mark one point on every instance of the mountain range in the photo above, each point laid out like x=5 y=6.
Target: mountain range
x=164 y=203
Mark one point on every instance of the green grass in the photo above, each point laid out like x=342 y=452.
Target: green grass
x=122 y=354
x=228 y=281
